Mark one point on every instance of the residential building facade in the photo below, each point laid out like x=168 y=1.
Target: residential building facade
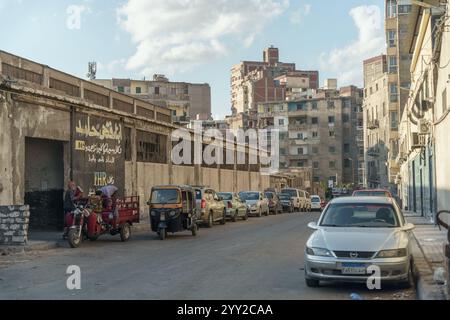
x=187 y=101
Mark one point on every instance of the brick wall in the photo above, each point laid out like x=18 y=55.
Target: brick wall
x=14 y=222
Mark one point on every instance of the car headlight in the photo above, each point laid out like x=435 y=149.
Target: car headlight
x=153 y=213
x=319 y=252
x=172 y=214
x=398 y=253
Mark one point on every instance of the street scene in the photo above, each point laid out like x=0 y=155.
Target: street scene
x=193 y=150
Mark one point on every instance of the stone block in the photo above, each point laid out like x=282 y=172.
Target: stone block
x=14 y=214
x=8 y=233
x=4 y=227
x=18 y=240
x=14 y=227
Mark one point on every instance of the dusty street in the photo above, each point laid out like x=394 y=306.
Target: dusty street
x=259 y=259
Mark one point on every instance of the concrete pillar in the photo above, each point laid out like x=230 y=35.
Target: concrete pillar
x=134 y=183
x=82 y=89
x=46 y=77
x=6 y=179
x=169 y=159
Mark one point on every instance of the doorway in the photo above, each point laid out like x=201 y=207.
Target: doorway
x=44 y=183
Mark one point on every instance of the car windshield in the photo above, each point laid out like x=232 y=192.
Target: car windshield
x=246 y=196
x=269 y=195
x=315 y=199
x=165 y=196
x=371 y=194
x=291 y=193
x=284 y=196
x=360 y=215
x=226 y=196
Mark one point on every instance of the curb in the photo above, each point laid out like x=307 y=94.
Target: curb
x=42 y=246
x=426 y=287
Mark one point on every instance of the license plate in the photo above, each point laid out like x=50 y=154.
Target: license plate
x=354 y=268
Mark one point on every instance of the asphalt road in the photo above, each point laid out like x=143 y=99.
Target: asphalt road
x=261 y=259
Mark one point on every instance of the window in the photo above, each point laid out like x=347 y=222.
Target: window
x=315 y=134
x=316 y=165
x=392 y=38
x=138 y=90
x=444 y=101
x=332 y=164
x=391 y=11
x=300 y=136
x=347 y=103
x=151 y=147
x=331 y=120
x=316 y=179
x=314 y=105
x=404 y=7
x=283 y=151
x=156 y=90
x=392 y=64
x=332 y=134
x=300 y=151
x=315 y=120
x=332 y=149
x=281 y=122
x=302 y=106
x=121 y=89
x=315 y=150
x=345 y=118
x=394 y=120
x=393 y=92
x=346 y=148
x=331 y=105
x=302 y=163
x=347 y=163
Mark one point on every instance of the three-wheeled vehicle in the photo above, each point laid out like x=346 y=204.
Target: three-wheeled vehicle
x=97 y=216
x=173 y=209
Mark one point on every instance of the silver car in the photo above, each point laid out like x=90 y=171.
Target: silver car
x=257 y=203
x=354 y=234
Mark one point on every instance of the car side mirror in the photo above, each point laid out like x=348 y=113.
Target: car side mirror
x=313 y=225
x=408 y=227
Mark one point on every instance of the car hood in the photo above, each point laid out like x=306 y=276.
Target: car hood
x=251 y=202
x=359 y=239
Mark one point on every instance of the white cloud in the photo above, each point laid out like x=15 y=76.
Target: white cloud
x=74 y=14
x=347 y=63
x=175 y=35
x=299 y=14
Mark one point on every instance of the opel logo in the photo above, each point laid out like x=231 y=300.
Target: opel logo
x=354 y=255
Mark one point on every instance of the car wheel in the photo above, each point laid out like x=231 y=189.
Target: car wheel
x=245 y=218
x=236 y=215
x=210 y=220
x=409 y=283
x=312 y=283
x=260 y=213
x=194 y=230
x=224 y=217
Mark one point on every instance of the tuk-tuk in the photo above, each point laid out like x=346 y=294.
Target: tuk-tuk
x=173 y=209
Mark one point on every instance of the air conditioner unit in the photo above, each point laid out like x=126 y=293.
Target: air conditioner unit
x=418 y=141
x=424 y=127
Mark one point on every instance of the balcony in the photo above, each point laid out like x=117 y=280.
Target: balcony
x=373 y=152
x=373 y=125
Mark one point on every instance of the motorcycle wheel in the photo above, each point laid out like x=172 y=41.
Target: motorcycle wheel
x=74 y=239
x=125 y=232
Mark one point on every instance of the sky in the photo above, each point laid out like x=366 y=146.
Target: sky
x=194 y=40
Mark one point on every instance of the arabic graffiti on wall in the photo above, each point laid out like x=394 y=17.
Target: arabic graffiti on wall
x=98 y=157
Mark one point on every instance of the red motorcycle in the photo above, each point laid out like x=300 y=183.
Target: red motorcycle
x=85 y=223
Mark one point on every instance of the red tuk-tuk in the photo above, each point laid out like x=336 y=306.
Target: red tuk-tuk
x=97 y=216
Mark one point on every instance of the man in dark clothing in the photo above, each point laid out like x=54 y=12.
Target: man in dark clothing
x=72 y=195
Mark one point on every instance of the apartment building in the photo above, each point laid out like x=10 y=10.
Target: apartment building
x=254 y=82
x=186 y=100
x=424 y=176
x=380 y=126
x=321 y=135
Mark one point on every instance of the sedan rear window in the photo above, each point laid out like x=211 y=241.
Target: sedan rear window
x=315 y=199
x=226 y=196
x=362 y=216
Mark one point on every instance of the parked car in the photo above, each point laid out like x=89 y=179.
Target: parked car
x=236 y=208
x=316 y=203
x=275 y=206
x=257 y=203
x=308 y=202
x=356 y=233
x=286 y=202
x=298 y=197
x=210 y=206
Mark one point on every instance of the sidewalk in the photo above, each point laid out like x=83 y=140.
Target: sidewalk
x=428 y=252
x=48 y=240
